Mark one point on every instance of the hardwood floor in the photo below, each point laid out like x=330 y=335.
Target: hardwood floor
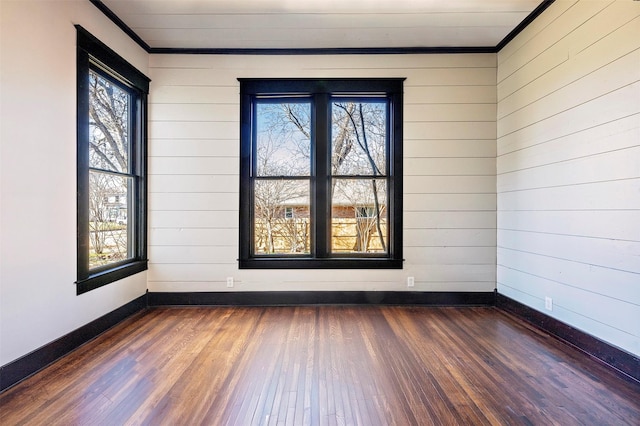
x=323 y=365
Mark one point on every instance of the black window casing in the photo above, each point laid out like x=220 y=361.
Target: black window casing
x=320 y=91
x=92 y=54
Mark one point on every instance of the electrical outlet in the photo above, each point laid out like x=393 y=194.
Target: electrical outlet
x=229 y=281
x=548 y=303
x=411 y=281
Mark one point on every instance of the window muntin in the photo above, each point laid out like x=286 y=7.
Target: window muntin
x=111 y=165
x=335 y=149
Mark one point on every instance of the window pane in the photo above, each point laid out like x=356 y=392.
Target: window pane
x=108 y=125
x=281 y=216
x=109 y=225
x=359 y=216
x=358 y=138
x=283 y=139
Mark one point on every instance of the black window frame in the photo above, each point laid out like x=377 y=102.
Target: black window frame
x=93 y=55
x=320 y=92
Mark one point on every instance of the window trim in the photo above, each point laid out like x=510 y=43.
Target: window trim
x=389 y=88
x=92 y=53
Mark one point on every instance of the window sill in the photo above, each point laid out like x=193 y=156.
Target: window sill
x=344 y=263
x=102 y=278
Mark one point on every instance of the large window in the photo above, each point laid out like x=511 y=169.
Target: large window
x=112 y=100
x=321 y=173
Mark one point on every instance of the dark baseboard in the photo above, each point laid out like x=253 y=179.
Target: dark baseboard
x=285 y=298
x=23 y=367
x=625 y=363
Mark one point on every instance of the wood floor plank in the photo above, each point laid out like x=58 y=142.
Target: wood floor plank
x=323 y=365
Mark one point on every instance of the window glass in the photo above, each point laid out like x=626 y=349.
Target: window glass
x=108 y=219
x=109 y=108
x=359 y=137
x=109 y=180
x=277 y=229
x=359 y=216
x=283 y=139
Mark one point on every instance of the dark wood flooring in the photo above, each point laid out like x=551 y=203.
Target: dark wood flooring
x=323 y=365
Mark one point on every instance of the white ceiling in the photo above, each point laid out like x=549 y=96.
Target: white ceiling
x=302 y=24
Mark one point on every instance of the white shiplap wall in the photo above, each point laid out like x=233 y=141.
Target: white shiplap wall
x=449 y=198
x=568 y=167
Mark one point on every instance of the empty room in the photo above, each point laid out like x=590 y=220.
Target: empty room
x=276 y=212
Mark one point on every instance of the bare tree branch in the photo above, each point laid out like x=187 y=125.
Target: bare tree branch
x=117 y=147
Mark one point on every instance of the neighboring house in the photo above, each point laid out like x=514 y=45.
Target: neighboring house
x=116 y=208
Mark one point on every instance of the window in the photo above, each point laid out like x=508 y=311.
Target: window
x=288 y=212
x=111 y=149
x=366 y=212
x=321 y=173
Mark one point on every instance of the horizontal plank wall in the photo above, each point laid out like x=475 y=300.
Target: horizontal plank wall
x=568 y=168
x=449 y=198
